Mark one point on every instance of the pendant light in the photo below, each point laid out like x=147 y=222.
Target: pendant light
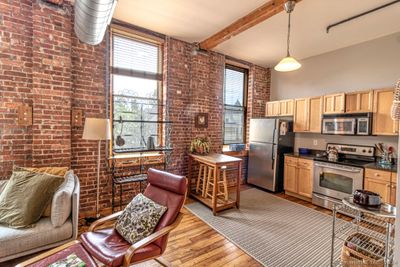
x=288 y=63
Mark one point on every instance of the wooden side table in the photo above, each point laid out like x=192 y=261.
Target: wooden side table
x=216 y=161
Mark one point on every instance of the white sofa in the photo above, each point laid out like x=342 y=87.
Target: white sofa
x=15 y=243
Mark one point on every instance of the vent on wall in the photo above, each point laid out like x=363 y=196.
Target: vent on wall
x=92 y=18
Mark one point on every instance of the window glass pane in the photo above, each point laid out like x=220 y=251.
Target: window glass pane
x=233 y=126
x=138 y=87
x=134 y=55
x=234 y=87
x=135 y=135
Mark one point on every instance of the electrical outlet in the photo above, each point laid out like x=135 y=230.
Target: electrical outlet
x=315 y=142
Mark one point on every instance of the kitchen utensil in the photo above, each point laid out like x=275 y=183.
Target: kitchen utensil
x=304 y=151
x=150 y=143
x=120 y=141
x=366 y=198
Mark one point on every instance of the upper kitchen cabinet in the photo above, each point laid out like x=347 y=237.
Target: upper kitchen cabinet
x=358 y=102
x=279 y=108
x=272 y=108
x=301 y=115
x=307 y=114
x=286 y=107
x=382 y=121
x=333 y=104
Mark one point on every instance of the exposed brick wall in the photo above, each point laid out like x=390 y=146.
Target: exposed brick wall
x=44 y=65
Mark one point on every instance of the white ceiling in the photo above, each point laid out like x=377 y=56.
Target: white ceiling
x=265 y=43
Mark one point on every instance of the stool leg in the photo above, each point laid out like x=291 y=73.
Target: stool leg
x=210 y=172
x=198 y=178
x=204 y=181
x=225 y=184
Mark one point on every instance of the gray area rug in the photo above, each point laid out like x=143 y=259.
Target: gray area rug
x=274 y=231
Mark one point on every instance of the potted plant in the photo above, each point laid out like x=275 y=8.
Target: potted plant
x=200 y=145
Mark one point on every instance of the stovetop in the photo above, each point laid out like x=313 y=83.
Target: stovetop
x=345 y=161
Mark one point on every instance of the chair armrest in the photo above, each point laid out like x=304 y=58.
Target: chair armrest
x=101 y=221
x=150 y=239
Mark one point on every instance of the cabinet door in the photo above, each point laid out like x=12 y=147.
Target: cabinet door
x=290 y=178
x=382 y=122
x=333 y=104
x=315 y=110
x=304 y=178
x=286 y=107
x=301 y=115
x=359 y=102
x=378 y=186
x=393 y=189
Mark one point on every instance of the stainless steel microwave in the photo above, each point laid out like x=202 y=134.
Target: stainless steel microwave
x=347 y=124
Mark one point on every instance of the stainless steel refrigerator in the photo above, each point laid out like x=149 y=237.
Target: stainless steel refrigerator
x=270 y=139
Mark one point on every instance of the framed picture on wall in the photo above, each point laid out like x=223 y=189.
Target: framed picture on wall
x=201 y=120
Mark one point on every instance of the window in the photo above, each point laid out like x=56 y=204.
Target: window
x=136 y=93
x=234 y=104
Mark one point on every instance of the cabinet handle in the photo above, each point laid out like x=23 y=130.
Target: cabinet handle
x=377 y=174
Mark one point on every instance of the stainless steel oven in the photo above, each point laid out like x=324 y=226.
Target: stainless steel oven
x=332 y=182
x=347 y=124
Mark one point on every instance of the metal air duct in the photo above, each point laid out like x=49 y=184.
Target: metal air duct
x=92 y=18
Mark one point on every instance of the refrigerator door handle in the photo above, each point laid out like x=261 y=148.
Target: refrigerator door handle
x=273 y=156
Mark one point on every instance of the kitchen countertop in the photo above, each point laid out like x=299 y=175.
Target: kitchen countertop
x=376 y=166
x=302 y=156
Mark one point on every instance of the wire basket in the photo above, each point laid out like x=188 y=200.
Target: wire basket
x=395 y=111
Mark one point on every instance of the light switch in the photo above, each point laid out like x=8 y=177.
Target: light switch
x=77 y=117
x=24 y=115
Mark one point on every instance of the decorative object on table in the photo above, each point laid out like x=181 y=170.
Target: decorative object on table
x=366 y=198
x=200 y=145
x=119 y=140
x=288 y=63
x=70 y=261
x=201 y=120
x=332 y=153
x=385 y=155
x=395 y=111
x=97 y=129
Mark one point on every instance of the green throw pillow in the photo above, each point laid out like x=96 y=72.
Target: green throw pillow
x=26 y=196
x=139 y=219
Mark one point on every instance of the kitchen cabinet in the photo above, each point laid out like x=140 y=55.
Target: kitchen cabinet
x=382 y=183
x=298 y=176
x=333 y=104
x=307 y=114
x=315 y=113
x=286 y=107
x=358 y=102
x=382 y=121
x=279 y=108
x=300 y=122
x=272 y=108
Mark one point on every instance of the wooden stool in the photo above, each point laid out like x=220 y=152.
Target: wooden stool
x=223 y=182
x=202 y=178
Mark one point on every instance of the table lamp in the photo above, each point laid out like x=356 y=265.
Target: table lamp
x=97 y=129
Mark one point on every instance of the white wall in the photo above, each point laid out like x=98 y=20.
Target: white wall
x=369 y=65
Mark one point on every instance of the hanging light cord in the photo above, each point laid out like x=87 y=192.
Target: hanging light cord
x=288 y=37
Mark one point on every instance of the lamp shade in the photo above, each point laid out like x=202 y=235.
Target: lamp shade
x=96 y=129
x=287 y=64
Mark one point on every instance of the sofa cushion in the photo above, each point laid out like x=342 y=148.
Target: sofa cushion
x=139 y=219
x=13 y=241
x=61 y=203
x=25 y=197
x=59 y=171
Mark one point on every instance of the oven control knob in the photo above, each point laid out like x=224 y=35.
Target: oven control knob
x=364 y=151
x=370 y=151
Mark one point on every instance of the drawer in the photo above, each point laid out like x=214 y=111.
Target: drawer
x=291 y=160
x=305 y=163
x=394 y=177
x=377 y=174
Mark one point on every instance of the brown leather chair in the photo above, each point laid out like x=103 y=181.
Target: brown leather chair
x=107 y=246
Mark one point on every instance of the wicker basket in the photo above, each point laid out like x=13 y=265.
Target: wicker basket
x=353 y=258
x=395 y=111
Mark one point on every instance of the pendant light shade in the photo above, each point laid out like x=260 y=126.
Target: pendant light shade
x=288 y=63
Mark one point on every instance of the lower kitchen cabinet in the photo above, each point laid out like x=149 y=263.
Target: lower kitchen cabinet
x=298 y=176
x=382 y=183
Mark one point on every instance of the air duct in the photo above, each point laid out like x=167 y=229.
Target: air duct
x=92 y=18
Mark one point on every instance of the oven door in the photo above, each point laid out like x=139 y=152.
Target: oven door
x=339 y=126
x=335 y=180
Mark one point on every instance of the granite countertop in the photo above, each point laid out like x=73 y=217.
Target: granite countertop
x=376 y=166
x=303 y=156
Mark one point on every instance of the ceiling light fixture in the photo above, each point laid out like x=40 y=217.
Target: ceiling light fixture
x=288 y=63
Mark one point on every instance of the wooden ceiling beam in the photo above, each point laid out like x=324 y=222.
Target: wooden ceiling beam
x=258 y=15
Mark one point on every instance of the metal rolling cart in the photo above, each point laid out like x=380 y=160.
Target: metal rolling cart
x=370 y=233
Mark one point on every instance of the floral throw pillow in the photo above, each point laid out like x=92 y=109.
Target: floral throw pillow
x=139 y=219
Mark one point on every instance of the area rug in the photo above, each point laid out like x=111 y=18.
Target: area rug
x=274 y=231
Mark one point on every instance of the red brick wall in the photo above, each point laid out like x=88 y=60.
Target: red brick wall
x=43 y=64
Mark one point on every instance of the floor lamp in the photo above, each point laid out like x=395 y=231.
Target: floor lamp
x=96 y=129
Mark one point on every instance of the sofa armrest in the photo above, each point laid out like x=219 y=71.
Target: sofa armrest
x=2 y=185
x=75 y=208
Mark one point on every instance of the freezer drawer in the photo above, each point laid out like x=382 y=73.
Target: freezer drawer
x=262 y=165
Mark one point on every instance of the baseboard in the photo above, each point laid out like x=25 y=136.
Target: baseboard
x=298 y=196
